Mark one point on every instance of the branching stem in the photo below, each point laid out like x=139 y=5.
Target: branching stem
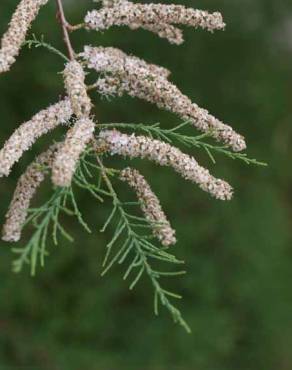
x=65 y=27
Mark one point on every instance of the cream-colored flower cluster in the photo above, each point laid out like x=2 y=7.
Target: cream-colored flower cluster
x=74 y=80
x=26 y=135
x=12 y=40
x=127 y=75
x=157 y=18
x=114 y=60
x=150 y=206
x=24 y=192
x=164 y=154
x=70 y=150
x=81 y=133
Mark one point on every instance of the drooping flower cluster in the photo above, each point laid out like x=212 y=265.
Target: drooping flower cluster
x=81 y=133
x=128 y=75
x=24 y=192
x=74 y=80
x=157 y=18
x=150 y=206
x=69 y=152
x=115 y=61
x=164 y=154
x=25 y=136
x=12 y=40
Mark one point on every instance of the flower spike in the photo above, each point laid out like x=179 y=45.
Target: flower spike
x=12 y=40
x=26 y=187
x=164 y=154
x=158 y=18
x=26 y=135
x=127 y=75
x=70 y=150
x=150 y=206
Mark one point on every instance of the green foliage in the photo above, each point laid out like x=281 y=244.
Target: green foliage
x=40 y=43
x=136 y=247
x=133 y=247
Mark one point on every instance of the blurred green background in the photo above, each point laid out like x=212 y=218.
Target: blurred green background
x=238 y=290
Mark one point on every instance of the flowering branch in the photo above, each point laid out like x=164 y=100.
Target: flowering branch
x=78 y=161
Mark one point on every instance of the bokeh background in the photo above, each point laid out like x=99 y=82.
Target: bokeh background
x=238 y=290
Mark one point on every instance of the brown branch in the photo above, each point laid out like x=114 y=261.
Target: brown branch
x=65 y=26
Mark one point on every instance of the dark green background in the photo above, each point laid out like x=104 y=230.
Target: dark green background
x=238 y=290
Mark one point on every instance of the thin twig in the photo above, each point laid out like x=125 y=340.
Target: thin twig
x=65 y=25
x=75 y=27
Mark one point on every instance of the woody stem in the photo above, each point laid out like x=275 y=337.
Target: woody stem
x=65 y=26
